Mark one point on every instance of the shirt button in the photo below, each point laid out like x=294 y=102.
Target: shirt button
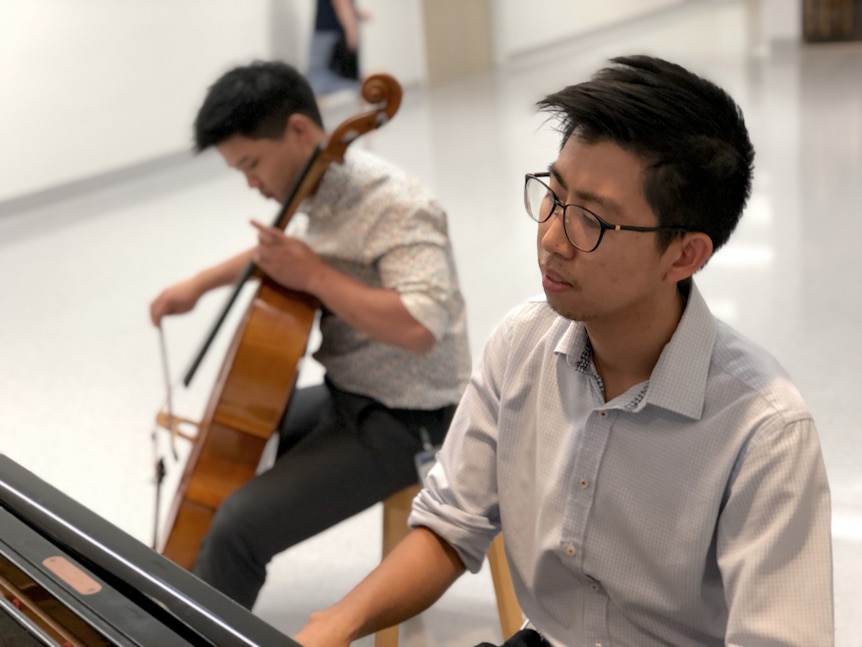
x=594 y=587
x=603 y=414
x=584 y=483
x=571 y=550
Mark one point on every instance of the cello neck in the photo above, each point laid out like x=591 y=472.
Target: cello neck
x=298 y=192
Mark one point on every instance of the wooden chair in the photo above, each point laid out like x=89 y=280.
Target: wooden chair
x=396 y=509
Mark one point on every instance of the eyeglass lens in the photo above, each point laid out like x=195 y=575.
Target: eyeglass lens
x=581 y=227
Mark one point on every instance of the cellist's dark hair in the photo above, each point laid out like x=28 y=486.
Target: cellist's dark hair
x=690 y=133
x=255 y=101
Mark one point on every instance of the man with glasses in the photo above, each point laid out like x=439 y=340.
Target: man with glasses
x=657 y=478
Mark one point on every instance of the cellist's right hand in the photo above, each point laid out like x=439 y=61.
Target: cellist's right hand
x=182 y=297
x=176 y=299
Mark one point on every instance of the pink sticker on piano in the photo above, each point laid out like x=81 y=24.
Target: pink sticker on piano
x=72 y=575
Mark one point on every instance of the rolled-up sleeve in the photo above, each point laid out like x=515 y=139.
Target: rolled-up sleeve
x=459 y=502
x=419 y=266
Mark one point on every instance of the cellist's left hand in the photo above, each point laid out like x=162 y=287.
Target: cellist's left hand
x=287 y=260
x=377 y=312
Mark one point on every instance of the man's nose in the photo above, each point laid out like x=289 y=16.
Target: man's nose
x=251 y=180
x=552 y=237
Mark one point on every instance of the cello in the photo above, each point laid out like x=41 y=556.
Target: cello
x=259 y=371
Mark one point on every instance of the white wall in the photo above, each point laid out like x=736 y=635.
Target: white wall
x=772 y=22
x=523 y=26
x=88 y=86
x=92 y=86
x=394 y=40
x=782 y=19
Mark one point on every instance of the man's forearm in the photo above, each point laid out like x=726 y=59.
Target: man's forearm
x=411 y=578
x=224 y=273
x=378 y=312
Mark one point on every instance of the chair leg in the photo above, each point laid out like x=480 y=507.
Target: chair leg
x=386 y=637
x=511 y=616
x=396 y=510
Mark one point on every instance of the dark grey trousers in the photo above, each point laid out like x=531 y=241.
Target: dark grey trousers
x=339 y=453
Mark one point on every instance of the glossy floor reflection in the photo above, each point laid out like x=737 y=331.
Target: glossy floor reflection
x=80 y=373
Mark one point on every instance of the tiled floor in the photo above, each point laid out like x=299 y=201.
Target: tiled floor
x=80 y=373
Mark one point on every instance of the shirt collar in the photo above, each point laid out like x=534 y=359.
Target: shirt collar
x=330 y=196
x=678 y=381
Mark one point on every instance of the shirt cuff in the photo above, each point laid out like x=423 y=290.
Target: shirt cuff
x=427 y=312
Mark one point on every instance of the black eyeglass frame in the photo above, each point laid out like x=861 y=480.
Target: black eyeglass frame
x=604 y=225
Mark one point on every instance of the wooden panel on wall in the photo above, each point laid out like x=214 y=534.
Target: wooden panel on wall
x=831 y=20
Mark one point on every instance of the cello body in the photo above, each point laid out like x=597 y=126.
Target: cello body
x=259 y=372
x=249 y=399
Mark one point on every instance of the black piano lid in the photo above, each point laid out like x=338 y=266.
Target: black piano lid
x=129 y=565
x=108 y=613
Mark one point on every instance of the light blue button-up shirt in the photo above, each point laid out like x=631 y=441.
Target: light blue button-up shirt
x=692 y=510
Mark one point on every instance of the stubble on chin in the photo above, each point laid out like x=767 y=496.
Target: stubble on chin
x=569 y=314
x=569 y=311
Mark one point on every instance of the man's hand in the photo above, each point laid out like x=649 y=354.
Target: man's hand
x=182 y=297
x=286 y=260
x=374 y=311
x=177 y=299
x=322 y=631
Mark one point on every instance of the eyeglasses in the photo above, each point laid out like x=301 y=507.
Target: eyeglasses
x=584 y=229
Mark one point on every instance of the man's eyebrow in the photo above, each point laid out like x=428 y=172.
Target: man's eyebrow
x=554 y=171
x=606 y=203
x=242 y=161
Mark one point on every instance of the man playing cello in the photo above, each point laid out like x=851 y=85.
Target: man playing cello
x=377 y=256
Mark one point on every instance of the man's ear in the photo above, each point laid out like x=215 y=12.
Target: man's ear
x=691 y=252
x=297 y=124
x=301 y=133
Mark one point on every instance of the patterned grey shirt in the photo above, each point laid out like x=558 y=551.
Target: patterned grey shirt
x=692 y=510
x=373 y=222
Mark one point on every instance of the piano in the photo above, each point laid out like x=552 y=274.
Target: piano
x=69 y=578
